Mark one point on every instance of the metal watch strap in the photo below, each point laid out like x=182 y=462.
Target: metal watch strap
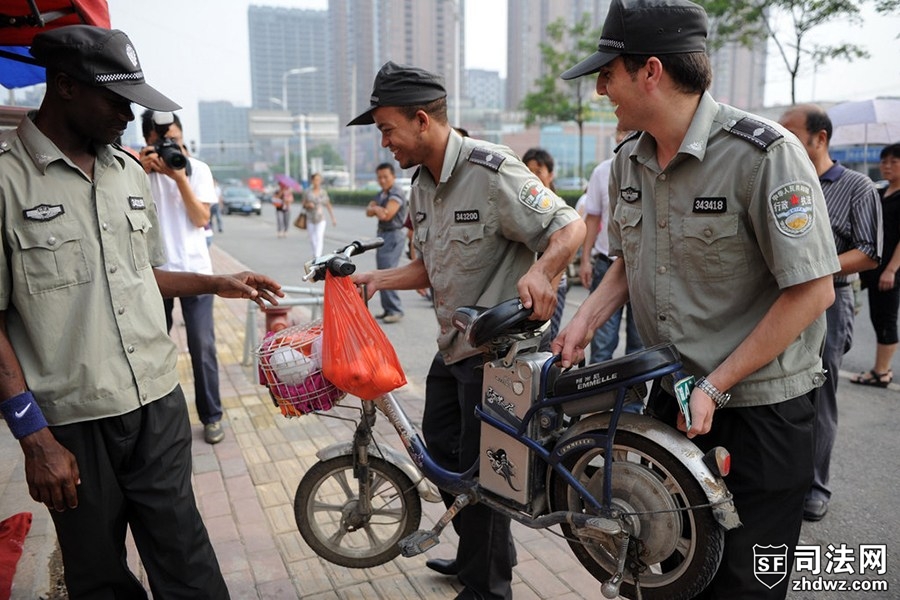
x=718 y=396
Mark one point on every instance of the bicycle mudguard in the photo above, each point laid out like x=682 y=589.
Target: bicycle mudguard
x=427 y=490
x=672 y=441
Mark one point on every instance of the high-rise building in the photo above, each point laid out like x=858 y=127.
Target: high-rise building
x=738 y=72
x=485 y=89
x=285 y=39
x=527 y=22
x=739 y=75
x=225 y=134
x=368 y=34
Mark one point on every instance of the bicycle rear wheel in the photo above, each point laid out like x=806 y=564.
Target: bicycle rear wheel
x=680 y=547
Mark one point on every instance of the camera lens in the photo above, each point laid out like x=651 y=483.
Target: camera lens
x=171 y=154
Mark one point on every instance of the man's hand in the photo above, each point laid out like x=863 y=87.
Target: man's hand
x=365 y=281
x=537 y=293
x=50 y=471
x=586 y=272
x=247 y=284
x=572 y=340
x=702 y=409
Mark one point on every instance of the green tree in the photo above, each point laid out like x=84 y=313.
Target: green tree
x=751 y=22
x=330 y=157
x=553 y=99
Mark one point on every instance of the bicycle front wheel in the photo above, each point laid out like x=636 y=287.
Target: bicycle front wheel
x=332 y=522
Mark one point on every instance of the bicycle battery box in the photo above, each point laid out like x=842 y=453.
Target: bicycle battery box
x=506 y=466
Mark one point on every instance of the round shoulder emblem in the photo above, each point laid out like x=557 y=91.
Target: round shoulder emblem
x=535 y=196
x=792 y=208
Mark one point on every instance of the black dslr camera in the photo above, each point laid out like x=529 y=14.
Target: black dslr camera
x=167 y=148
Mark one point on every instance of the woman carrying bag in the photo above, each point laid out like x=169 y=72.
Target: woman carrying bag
x=315 y=200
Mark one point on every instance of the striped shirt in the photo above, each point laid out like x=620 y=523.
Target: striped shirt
x=855 y=213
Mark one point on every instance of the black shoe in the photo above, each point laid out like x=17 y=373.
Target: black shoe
x=815 y=510
x=444 y=566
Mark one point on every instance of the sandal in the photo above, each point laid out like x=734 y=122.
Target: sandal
x=874 y=378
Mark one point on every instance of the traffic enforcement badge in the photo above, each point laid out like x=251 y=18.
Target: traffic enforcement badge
x=536 y=197
x=792 y=208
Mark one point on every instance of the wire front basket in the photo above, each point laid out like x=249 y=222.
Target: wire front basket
x=290 y=365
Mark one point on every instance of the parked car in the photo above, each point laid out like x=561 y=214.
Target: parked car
x=240 y=199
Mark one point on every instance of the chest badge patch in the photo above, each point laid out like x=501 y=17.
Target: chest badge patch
x=44 y=212
x=713 y=205
x=466 y=216
x=630 y=194
x=535 y=196
x=136 y=202
x=420 y=216
x=792 y=208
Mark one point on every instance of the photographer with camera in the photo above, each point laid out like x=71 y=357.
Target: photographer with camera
x=184 y=190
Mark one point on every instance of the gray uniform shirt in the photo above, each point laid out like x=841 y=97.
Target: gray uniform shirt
x=478 y=230
x=84 y=313
x=710 y=241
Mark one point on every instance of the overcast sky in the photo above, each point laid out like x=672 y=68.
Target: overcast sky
x=193 y=52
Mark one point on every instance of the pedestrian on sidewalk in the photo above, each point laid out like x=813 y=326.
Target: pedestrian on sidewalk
x=315 y=203
x=881 y=283
x=389 y=208
x=477 y=244
x=89 y=381
x=854 y=211
x=184 y=197
x=282 y=200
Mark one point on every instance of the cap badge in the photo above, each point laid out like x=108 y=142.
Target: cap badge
x=132 y=55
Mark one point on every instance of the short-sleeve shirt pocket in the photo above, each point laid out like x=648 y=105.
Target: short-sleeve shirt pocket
x=465 y=246
x=712 y=248
x=52 y=257
x=140 y=227
x=629 y=220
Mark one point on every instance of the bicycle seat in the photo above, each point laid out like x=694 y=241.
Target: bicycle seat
x=611 y=374
x=481 y=325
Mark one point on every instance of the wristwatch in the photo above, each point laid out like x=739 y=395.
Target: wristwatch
x=718 y=396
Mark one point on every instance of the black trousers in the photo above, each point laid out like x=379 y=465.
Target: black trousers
x=197 y=312
x=486 y=553
x=136 y=472
x=771 y=450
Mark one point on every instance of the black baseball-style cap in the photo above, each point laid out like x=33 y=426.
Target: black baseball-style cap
x=401 y=85
x=99 y=57
x=646 y=27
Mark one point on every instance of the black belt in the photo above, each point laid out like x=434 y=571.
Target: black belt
x=841 y=284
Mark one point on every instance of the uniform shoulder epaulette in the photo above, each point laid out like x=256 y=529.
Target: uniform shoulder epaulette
x=127 y=152
x=486 y=158
x=627 y=139
x=754 y=131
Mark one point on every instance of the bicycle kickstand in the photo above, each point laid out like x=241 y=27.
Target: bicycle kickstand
x=419 y=541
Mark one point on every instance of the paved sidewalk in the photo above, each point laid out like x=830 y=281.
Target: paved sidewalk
x=245 y=488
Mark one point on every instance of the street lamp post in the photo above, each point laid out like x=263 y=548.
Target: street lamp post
x=284 y=106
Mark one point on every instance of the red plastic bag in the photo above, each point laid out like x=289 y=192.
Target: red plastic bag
x=356 y=355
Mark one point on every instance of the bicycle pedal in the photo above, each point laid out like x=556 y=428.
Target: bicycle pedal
x=418 y=542
x=598 y=528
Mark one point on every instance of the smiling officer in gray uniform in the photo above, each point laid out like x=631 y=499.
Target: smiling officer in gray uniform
x=726 y=252
x=479 y=217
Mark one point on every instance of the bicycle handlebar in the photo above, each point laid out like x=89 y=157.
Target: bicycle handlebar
x=338 y=263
